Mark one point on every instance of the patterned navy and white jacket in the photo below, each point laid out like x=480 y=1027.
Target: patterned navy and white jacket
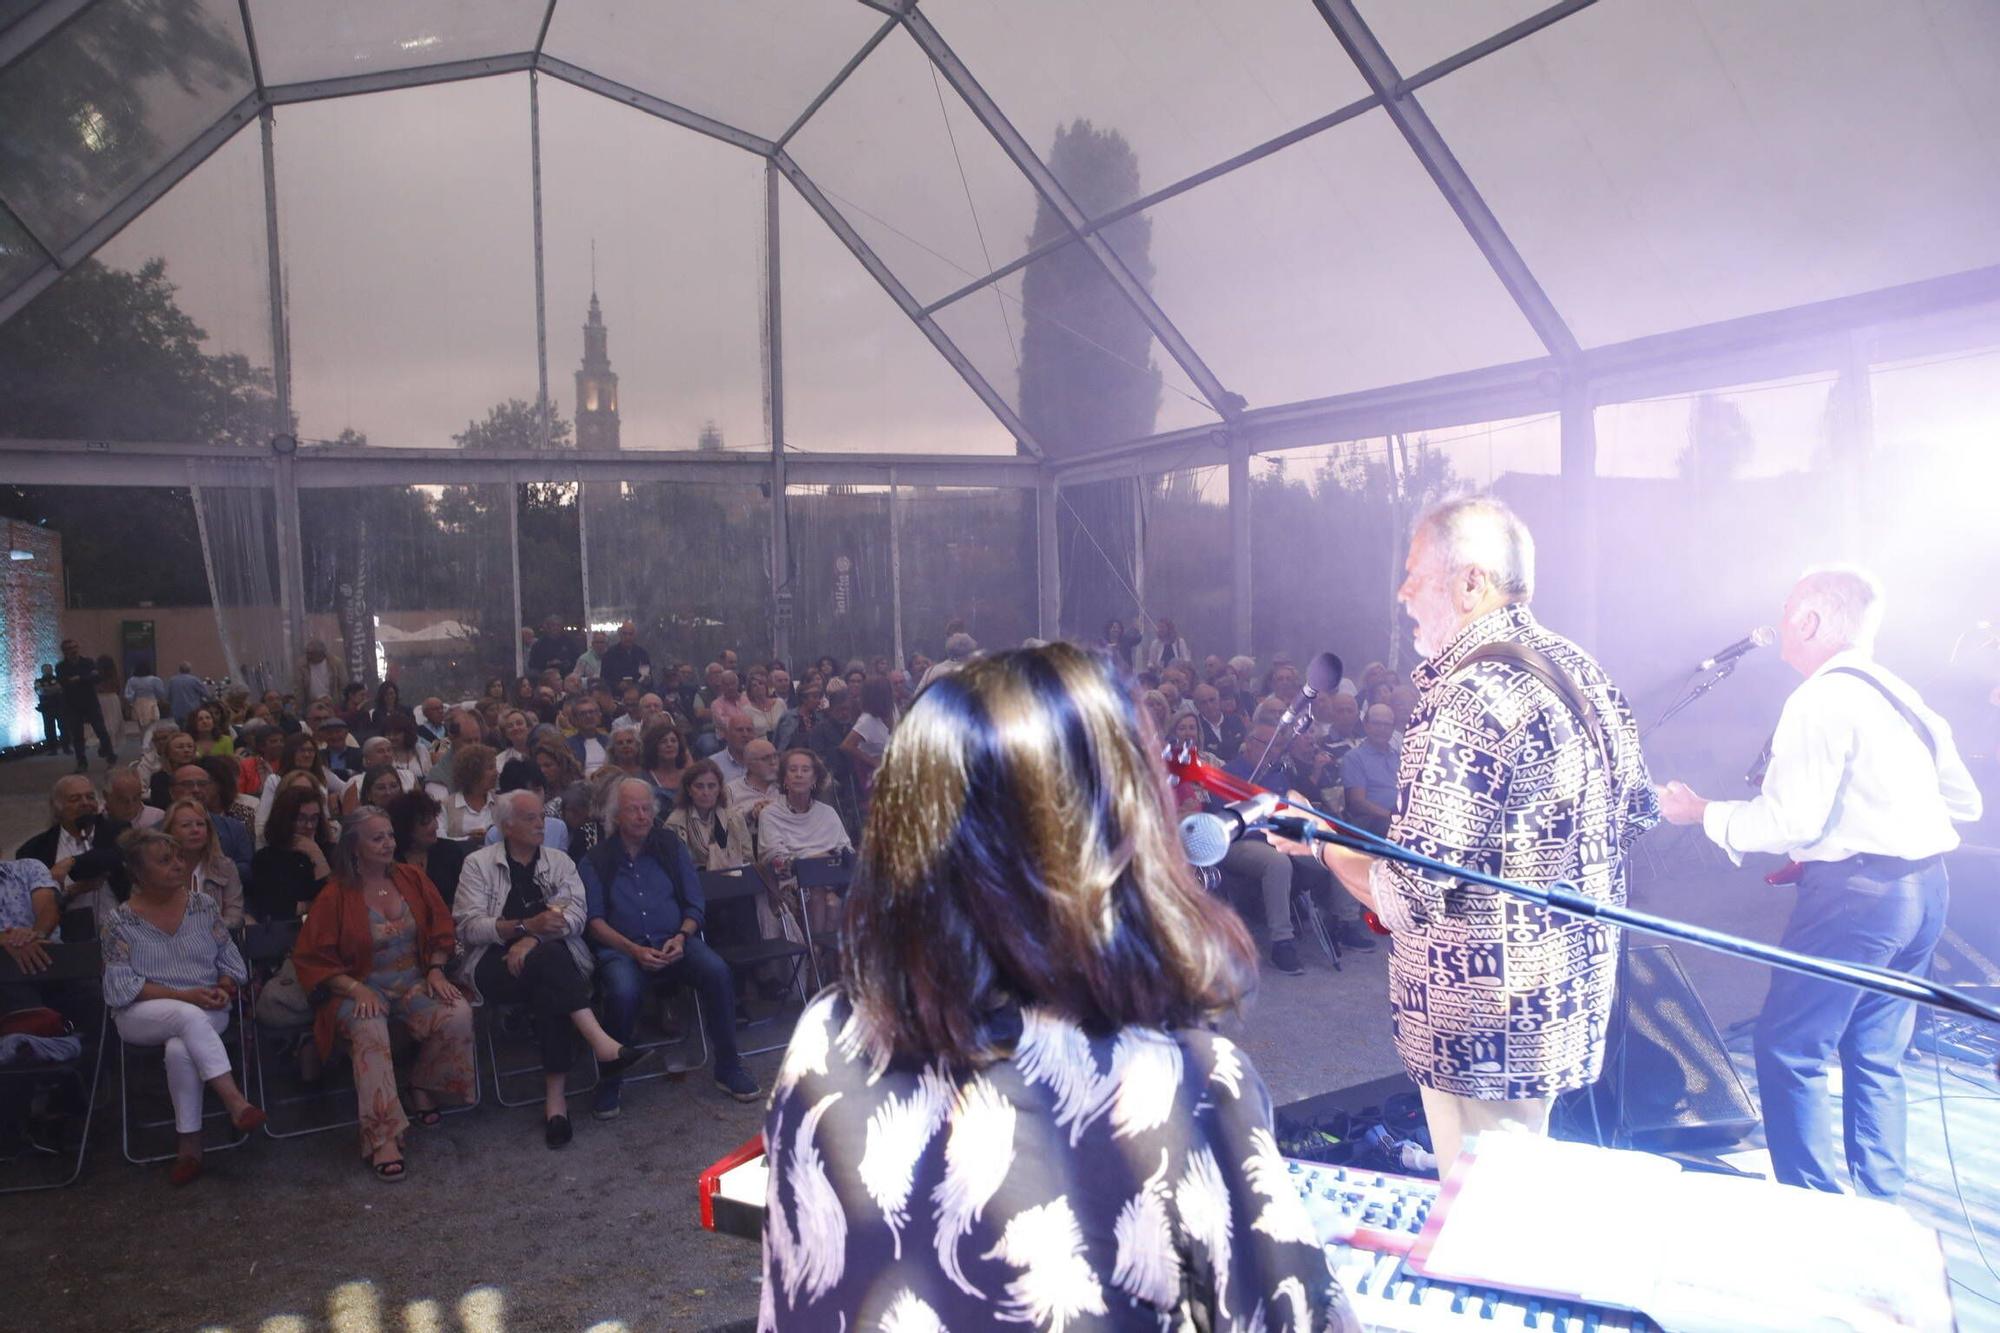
x=1087 y=1182
x=1493 y=997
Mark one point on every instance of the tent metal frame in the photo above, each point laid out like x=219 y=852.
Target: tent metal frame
x=1570 y=380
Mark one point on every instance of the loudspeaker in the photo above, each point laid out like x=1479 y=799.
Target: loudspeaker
x=1668 y=1082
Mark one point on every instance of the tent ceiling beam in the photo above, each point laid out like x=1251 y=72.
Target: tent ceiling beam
x=390 y=80
x=33 y=27
x=1506 y=37
x=891 y=284
x=833 y=84
x=250 y=45
x=1226 y=404
x=651 y=105
x=1445 y=172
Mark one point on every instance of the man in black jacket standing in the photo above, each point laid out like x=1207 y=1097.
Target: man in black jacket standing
x=78 y=676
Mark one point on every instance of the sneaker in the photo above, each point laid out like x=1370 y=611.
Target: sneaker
x=604 y=1102
x=1285 y=957
x=736 y=1081
x=1352 y=934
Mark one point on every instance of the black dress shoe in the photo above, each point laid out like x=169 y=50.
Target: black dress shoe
x=556 y=1132
x=627 y=1057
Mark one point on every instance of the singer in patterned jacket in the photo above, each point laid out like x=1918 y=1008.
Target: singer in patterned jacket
x=1012 y=1108
x=1499 y=1005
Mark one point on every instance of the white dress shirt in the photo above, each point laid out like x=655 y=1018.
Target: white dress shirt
x=1848 y=775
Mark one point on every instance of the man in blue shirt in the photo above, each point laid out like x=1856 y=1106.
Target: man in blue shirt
x=645 y=916
x=185 y=693
x=1368 y=771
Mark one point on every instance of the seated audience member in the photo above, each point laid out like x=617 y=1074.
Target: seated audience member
x=1156 y=708
x=377 y=786
x=414 y=818
x=736 y=736
x=431 y=719
x=590 y=664
x=728 y=701
x=153 y=757
x=353 y=708
x=171 y=973
x=80 y=848
x=204 y=724
x=992 y=972
x=1368 y=772
x=408 y=754
x=523 y=776
x=300 y=754
x=800 y=825
x=1338 y=716
x=1235 y=680
x=1221 y=732
x=181 y=753
x=646 y=913
x=468 y=801
x=338 y=749
x=587 y=745
x=124 y=802
x=765 y=712
x=627 y=659
x=865 y=741
x=779 y=682
x=216 y=790
x=292 y=866
x=388 y=706
x=257 y=758
x=663 y=755
x=517 y=729
x=521 y=911
x=376 y=943
x=30 y=918
x=759 y=783
x=622 y=752
x=715 y=834
x=209 y=870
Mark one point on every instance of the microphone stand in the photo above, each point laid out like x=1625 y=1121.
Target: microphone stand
x=1299 y=720
x=1691 y=692
x=1563 y=897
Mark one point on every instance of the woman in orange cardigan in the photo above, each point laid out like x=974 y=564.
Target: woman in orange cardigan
x=374 y=948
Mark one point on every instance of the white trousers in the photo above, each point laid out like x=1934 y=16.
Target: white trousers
x=195 y=1053
x=1454 y=1119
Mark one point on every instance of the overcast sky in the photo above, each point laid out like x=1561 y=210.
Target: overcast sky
x=1656 y=164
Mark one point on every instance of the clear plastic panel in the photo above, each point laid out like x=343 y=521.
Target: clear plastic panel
x=1186 y=83
x=1418 y=36
x=916 y=173
x=416 y=581
x=107 y=99
x=689 y=563
x=666 y=227
x=860 y=376
x=236 y=510
x=753 y=64
x=1098 y=556
x=1714 y=438
x=1330 y=267
x=407 y=232
x=1663 y=165
x=1071 y=355
x=166 y=333
x=297 y=42
x=1187 y=570
x=19 y=255
x=843 y=600
x=967 y=553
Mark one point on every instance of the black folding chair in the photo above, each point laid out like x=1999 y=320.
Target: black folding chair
x=77 y=966
x=1308 y=919
x=832 y=873
x=732 y=930
x=240 y=1022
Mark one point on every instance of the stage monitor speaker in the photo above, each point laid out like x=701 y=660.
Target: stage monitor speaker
x=1668 y=1082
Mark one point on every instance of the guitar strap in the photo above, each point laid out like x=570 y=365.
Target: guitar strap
x=1544 y=668
x=1903 y=710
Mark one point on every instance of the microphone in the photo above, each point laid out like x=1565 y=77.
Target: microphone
x=1322 y=674
x=1761 y=637
x=1206 y=837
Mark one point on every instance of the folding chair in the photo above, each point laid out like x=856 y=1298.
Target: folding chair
x=493 y=1011
x=833 y=873
x=1308 y=919
x=732 y=931
x=69 y=964
x=667 y=991
x=240 y=1066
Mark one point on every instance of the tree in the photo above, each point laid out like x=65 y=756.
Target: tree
x=1087 y=375
x=1720 y=441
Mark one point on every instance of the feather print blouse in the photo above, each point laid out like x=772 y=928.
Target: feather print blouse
x=1116 y=1181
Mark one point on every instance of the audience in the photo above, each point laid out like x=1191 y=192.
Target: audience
x=864 y=743
x=1368 y=772
x=210 y=872
x=737 y=733
x=80 y=848
x=413 y=817
x=521 y=911
x=663 y=755
x=467 y=801
x=716 y=836
x=801 y=825
x=627 y=659
x=205 y=726
x=759 y=784
x=376 y=943
x=124 y=802
x=292 y=866
x=180 y=753
x=171 y=974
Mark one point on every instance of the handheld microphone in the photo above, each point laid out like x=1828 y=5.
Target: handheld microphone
x=1206 y=837
x=1322 y=674
x=1761 y=637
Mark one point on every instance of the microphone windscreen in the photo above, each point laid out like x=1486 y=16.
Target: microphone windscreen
x=1323 y=673
x=1205 y=838
x=1763 y=636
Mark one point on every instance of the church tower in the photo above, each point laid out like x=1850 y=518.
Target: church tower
x=596 y=384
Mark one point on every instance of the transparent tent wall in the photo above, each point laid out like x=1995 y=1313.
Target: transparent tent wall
x=1098 y=556
x=412 y=583
x=1187 y=568
x=688 y=563
x=967 y=554
x=843 y=599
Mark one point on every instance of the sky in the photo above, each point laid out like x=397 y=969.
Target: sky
x=1656 y=165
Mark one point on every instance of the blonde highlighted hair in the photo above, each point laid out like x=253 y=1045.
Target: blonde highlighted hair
x=1021 y=850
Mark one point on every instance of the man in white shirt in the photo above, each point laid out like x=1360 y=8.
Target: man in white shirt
x=758 y=786
x=1863 y=787
x=731 y=758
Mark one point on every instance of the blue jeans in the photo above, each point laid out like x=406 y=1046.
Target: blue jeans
x=625 y=986
x=1866 y=909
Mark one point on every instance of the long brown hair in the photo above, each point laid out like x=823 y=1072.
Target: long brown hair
x=1021 y=849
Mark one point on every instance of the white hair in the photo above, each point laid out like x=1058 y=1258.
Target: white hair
x=510 y=803
x=1847 y=600
x=1483 y=533
x=617 y=790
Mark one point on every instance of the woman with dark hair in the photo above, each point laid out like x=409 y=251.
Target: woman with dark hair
x=414 y=817
x=716 y=835
x=210 y=737
x=863 y=745
x=379 y=785
x=375 y=947
x=290 y=867
x=170 y=978
x=523 y=694
x=1013 y=1103
x=663 y=754
x=406 y=750
x=496 y=690
x=299 y=754
x=388 y=706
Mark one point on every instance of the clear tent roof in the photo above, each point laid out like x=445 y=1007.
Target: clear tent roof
x=1191 y=213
